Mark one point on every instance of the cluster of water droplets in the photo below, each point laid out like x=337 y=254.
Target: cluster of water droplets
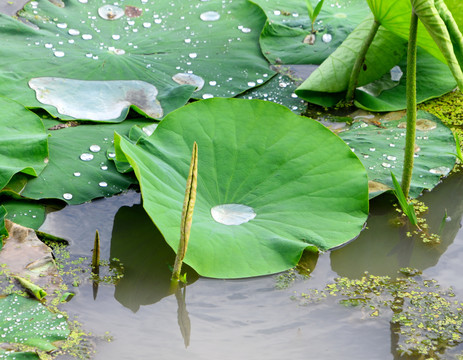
x=89 y=157
x=25 y=321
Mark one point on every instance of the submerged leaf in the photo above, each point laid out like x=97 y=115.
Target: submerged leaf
x=256 y=154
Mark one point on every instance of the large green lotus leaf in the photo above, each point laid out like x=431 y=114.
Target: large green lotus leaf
x=23 y=141
x=326 y=85
x=381 y=150
x=67 y=176
x=270 y=184
x=282 y=39
x=26 y=213
x=149 y=41
x=26 y=321
x=433 y=79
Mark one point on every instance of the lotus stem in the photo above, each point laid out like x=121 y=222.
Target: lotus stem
x=411 y=106
x=187 y=213
x=96 y=254
x=353 y=81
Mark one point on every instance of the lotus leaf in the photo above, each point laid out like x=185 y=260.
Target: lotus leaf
x=381 y=150
x=148 y=42
x=433 y=79
x=282 y=39
x=26 y=321
x=13 y=355
x=284 y=183
x=23 y=142
x=333 y=75
x=26 y=213
x=79 y=169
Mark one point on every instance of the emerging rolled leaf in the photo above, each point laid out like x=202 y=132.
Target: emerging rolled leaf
x=271 y=184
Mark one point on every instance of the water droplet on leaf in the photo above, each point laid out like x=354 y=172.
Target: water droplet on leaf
x=232 y=214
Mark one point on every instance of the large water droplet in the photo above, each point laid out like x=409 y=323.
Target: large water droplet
x=232 y=214
x=77 y=174
x=86 y=157
x=326 y=38
x=189 y=79
x=103 y=183
x=73 y=32
x=94 y=148
x=58 y=53
x=110 y=12
x=425 y=124
x=441 y=170
x=210 y=16
x=87 y=36
x=67 y=196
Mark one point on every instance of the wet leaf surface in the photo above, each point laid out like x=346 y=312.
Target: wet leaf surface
x=82 y=42
x=379 y=145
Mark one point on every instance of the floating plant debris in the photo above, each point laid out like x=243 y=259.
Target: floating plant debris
x=232 y=214
x=110 y=12
x=82 y=99
x=133 y=12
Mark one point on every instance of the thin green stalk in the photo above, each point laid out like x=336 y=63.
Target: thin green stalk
x=187 y=213
x=411 y=106
x=353 y=81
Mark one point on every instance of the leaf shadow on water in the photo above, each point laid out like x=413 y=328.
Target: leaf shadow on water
x=146 y=257
x=382 y=249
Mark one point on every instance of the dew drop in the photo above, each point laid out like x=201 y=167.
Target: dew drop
x=210 y=16
x=232 y=214
x=386 y=165
x=391 y=158
x=73 y=32
x=103 y=184
x=193 y=55
x=208 y=96
x=67 y=196
x=146 y=25
x=372 y=149
x=59 y=53
x=86 y=157
x=77 y=174
x=94 y=148
x=62 y=25
x=112 y=155
x=104 y=167
x=110 y=12
x=48 y=45
x=326 y=38
x=277 y=12
x=87 y=36
x=116 y=37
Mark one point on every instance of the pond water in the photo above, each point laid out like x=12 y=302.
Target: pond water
x=248 y=318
